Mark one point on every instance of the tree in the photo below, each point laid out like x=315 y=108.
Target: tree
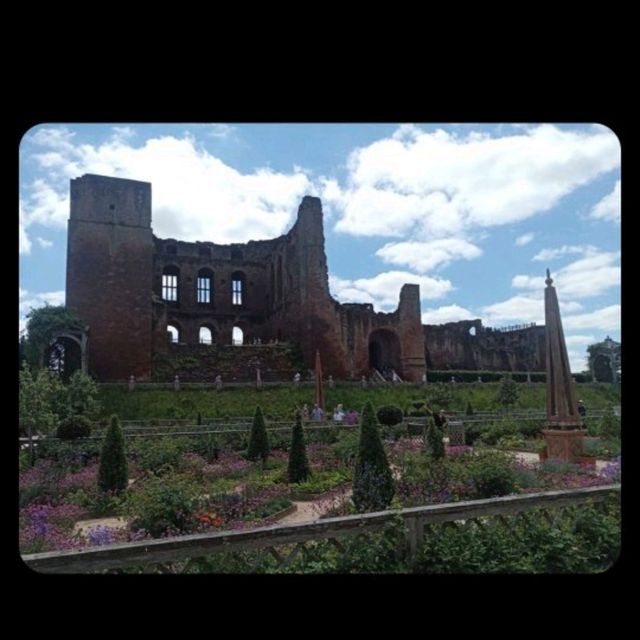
x=81 y=396
x=42 y=325
x=434 y=444
x=258 y=441
x=113 y=474
x=508 y=391
x=298 y=470
x=373 y=486
x=40 y=395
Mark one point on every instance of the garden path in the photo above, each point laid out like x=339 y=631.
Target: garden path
x=309 y=511
x=528 y=457
x=84 y=526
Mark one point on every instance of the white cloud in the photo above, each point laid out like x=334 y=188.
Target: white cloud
x=123 y=133
x=589 y=276
x=24 y=244
x=552 y=254
x=438 y=183
x=522 y=309
x=524 y=239
x=449 y=313
x=425 y=256
x=383 y=290
x=196 y=196
x=45 y=244
x=580 y=340
x=22 y=292
x=34 y=300
x=609 y=208
x=605 y=319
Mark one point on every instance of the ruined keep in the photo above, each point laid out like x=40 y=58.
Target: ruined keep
x=467 y=345
x=132 y=288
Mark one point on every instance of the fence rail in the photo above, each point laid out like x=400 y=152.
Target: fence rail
x=189 y=548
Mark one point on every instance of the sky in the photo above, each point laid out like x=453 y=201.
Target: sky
x=472 y=212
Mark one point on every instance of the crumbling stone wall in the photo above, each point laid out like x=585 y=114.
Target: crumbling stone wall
x=114 y=283
x=454 y=346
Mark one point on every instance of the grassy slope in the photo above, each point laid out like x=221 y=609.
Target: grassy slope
x=281 y=400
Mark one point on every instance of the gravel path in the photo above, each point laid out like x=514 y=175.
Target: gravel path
x=312 y=510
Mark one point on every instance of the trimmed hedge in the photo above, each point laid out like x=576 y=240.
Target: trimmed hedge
x=389 y=415
x=74 y=427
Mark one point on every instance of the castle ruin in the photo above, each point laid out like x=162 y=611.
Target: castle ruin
x=143 y=297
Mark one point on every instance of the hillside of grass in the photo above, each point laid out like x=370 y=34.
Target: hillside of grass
x=277 y=401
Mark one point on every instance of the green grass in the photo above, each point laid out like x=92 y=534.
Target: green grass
x=279 y=401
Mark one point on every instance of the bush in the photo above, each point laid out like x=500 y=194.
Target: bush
x=507 y=392
x=390 y=415
x=497 y=430
x=433 y=440
x=346 y=448
x=258 y=440
x=74 y=427
x=469 y=410
x=471 y=433
x=610 y=425
x=298 y=469
x=162 y=505
x=159 y=455
x=113 y=474
x=373 y=486
x=492 y=474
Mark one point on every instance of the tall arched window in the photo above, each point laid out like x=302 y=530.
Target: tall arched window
x=174 y=334
x=170 y=276
x=204 y=286
x=237 y=336
x=206 y=336
x=237 y=288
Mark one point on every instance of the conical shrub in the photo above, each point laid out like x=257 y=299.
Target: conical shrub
x=433 y=440
x=113 y=474
x=469 y=411
x=373 y=486
x=298 y=470
x=258 y=441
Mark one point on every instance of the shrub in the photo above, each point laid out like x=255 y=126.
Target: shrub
x=373 y=486
x=76 y=426
x=507 y=392
x=346 y=448
x=258 y=440
x=389 y=415
x=159 y=455
x=433 y=440
x=469 y=410
x=113 y=474
x=298 y=469
x=164 y=505
x=471 y=433
x=492 y=474
x=497 y=430
x=610 y=425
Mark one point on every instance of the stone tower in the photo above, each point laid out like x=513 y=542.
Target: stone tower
x=109 y=272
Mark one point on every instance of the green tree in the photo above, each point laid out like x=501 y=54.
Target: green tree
x=373 y=486
x=39 y=397
x=42 y=325
x=82 y=395
x=113 y=474
x=258 y=440
x=507 y=392
x=433 y=440
x=610 y=425
x=298 y=470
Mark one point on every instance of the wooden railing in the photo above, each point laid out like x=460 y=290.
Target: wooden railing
x=176 y=555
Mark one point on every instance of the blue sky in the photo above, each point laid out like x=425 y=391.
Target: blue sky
x=474 y=213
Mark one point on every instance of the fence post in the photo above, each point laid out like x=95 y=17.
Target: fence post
x=415 y=537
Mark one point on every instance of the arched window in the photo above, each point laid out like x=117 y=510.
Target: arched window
x=236 y=254
x=204 y=284
x=206 y=336
x=472 y=331
x=170 y=277
x=237 y=336
x=237 y=288
x=174 y=334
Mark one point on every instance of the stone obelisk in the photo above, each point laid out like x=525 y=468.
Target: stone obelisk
x=563 y=434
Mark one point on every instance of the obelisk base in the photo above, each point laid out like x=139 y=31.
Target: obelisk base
x=565 y=445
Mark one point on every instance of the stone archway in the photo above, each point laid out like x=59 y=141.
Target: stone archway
x=384 y=351
x=66 y=353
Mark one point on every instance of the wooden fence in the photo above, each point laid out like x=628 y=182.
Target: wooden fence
x=284 y=542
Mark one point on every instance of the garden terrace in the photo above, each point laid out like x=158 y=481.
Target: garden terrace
x=286 y=545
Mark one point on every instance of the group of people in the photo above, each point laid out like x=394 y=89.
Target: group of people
x=339 y=416
x=258 y=341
